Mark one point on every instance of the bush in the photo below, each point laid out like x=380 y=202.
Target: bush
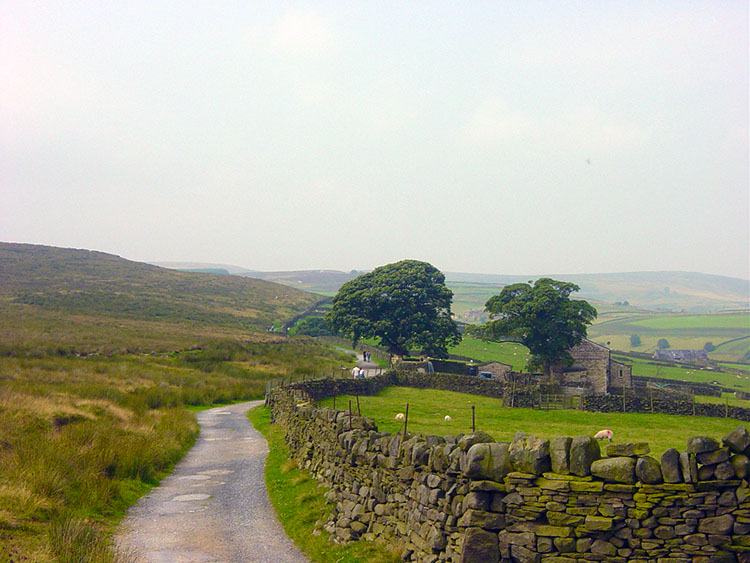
x=635 y=340
x=662 y=344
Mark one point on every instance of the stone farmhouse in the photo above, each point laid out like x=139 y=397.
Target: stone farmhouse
x=593 y=368
x=696 y=356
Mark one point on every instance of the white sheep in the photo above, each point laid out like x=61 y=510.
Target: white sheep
x=448 y=418
x=604 y=434
x=399 y=416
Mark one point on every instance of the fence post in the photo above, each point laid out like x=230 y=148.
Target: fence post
x=726 y=408
x=623 y=400
x=334 y=402
x=651 y=398
x=473 y=420
x=359 y=412
x=693 y=397
x=350 y=414
x=406 y=421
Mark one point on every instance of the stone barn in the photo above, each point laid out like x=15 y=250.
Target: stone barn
x=499 y=370
x=594 y=367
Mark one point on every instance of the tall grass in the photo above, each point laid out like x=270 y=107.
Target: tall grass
x=82 y=437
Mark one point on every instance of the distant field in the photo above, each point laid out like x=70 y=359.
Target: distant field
x=511 y=353
x=729 y=332
x=427 y=409
x=717 y=320
x=645 y=368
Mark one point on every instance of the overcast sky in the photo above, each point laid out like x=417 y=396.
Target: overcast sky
x=497 y=137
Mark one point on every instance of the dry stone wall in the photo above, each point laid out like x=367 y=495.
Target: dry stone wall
x=470 y=499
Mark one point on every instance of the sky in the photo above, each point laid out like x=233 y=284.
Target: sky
x=493 y=136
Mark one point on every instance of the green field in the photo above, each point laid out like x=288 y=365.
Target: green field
x=511 y=353
x=427 y=409
x=729 y=332
x=717 y=320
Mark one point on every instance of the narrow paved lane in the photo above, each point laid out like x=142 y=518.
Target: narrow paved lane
x=214 y=507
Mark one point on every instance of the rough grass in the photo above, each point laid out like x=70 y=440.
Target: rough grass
x=427 y=409
x=81 y=438
x=299 y=503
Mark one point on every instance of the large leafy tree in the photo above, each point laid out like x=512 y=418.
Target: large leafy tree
x=542 y=317
x=406 y=305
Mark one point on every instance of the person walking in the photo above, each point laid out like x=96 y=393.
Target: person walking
x=355 y=372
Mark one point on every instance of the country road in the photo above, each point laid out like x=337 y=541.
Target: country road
x=214 y=507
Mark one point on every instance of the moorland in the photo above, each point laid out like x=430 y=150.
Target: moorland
x=101 y=362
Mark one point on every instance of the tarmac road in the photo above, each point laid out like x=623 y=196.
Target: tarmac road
x=214 y=507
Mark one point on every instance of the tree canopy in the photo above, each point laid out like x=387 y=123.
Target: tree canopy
x=406 y=305
x=542 y=317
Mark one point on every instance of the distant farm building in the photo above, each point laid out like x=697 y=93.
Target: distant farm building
x=498 y=370
x=692 y=356
x=593 y=368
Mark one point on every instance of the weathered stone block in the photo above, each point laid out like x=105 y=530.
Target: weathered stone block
x=738 y=440
x=628 y=449
x=529 y=454
x=489 y=461
x=598 y=523
x=480 y=545
x=701 y=444
x=584 y=450
x=602 y=547
x=688 y=467
x=559 y=451
x=468 y=440
x=615 y=469
x=648 y=470
x=714 y=457
x=486 y=520
x=724 y=470
x=721 y=525
x=670 y=466
x=564 y=519
x=741 y=465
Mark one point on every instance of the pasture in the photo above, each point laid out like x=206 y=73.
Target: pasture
x=427 y=409
x=728 y=332
x=511 y=353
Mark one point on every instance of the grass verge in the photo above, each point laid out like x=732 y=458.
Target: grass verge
x=299 y=503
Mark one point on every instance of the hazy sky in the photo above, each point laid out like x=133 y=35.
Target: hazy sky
x=498 y=137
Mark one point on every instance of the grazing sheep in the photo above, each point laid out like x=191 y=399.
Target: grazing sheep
x=448 y=418
x=604 y=434
x=399 y=416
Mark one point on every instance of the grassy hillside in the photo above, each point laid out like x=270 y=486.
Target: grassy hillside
x=100 y=359
x=86 y=282
x=670 y=291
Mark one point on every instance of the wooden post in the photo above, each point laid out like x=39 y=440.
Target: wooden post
x=359 y=412
x=473 y=420
x=334 y=402
x=623 y=399
x=651 y=398
x=350 y=414
x=726 y=408
x=406 y=421
x=513 y=393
